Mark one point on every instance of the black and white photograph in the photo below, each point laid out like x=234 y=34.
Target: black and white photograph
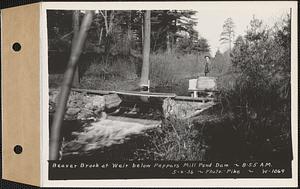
x=170 y=93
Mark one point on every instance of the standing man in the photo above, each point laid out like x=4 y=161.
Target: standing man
x=207 y=65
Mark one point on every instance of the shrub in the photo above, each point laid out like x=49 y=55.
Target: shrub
x=175 y=140
x=260 y=95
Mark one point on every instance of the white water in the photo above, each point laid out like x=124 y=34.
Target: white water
x=105 y=133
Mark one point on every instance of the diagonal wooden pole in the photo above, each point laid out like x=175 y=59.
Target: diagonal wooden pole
x=77 y=45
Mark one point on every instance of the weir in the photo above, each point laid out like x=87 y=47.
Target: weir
x=123 y=114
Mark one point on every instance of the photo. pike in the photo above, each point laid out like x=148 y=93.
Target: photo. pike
x=168 y=92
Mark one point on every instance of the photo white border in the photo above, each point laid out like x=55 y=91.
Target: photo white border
x=293 y=182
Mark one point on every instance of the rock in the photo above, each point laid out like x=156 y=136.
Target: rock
x=103 y=115
x=73 y=111
x=89 y=106
x=85 y=114
x=171 y=108
x=112 y=100
x=182 y=109
x=79 y=106
x=98 y=102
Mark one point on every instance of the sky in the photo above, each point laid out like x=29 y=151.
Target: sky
x=210 y=20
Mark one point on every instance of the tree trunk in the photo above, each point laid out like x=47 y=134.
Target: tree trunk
x=77 y=45
x=129 y=34
x=146 y=52
x=229 y=43
x=168 y=43
x=143 y=36
x=76 y=21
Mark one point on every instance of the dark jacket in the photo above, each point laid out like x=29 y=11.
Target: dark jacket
x=206 y=69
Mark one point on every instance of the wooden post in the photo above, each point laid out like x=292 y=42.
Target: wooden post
x=66 y=85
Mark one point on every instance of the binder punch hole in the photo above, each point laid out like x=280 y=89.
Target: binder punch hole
x=18 y=149
x=16 y=47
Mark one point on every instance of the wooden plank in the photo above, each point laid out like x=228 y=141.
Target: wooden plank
x=204 y=90
x=137 y=93
x=187 y=98
x=146 y=94
x=126 y=93
x=90 y=91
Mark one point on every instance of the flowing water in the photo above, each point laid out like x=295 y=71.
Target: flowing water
x=107 y=138
x=105 y=133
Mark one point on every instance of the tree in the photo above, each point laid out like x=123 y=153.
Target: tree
x=227 y=36
x=60 y=29
x=220 y=63
x=121 y=31
x=253 y=54
x=188 y=45
x=184 y=45
x=260 y=99
x=76 y=17
x=169 y=25
x=200 y=45
x=146 y=51
x=262 y=60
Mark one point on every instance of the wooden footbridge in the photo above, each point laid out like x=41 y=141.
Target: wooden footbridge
x=146 y=94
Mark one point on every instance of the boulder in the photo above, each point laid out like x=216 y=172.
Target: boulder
x=112 y=101
x=73 y=111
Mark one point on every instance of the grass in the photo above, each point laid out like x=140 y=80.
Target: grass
x=168 y=73
x=179 y=141
x=117 y=75
x=169 y=69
